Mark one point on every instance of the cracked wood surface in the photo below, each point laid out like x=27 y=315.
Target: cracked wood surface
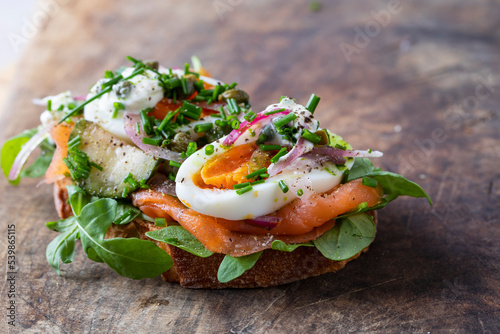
x=424 y=89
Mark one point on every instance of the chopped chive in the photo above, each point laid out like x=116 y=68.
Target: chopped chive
x=285 y=120
x=171 y=176
x=278 y=155
x=152 y=141
x=313 y=138
x=222 y=113
x=274 y=111
x=186 y=68
x=174 y=97
x=109 y=75
x=112 y=81
x=74 y=142
x=174 y=164
x=241 y=185
x=257 y=182
x=173 y=83
x=231 y=86
x=283 y=97
x=191 y=148
x=167 y=119
x=130 y=180
x=93 y=164
x=160 y=222
x=184 y=85
x=233 y=107
x=216 y=92
x=244 y=190
x=137 y=127
x=143 y=185
x=146 y=121
x=263 y=176
x=283 y=186
x=204 y=127
x=74 y=111
x=369 y=182
x=209 y=149
x=300 y=192
x=190 y=110
x=313 y=103
x=264 y=147
x=256 y=173
x=250 y=116
x=71 y=105
x=126 y=191
x=118 y=106
x=49 y=105
x=235 y=124
x=199 y=98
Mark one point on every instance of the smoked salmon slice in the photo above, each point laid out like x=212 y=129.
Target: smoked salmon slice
x=232 y=238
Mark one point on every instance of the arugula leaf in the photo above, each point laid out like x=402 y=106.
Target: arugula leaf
x=233 y=267
x=78 y=198
x=62 y=248
x=130 y=257
x=39 y=166
x=62 y=225
x=11 y=149
x=179 y=237
x=284 y=247
x=347 y=238
x=125 y=213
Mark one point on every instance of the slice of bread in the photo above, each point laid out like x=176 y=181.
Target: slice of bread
x=273 y=267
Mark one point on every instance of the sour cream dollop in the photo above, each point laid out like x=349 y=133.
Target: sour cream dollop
x=144 y=92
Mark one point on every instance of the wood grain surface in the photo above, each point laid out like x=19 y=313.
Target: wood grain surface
x=418 y=80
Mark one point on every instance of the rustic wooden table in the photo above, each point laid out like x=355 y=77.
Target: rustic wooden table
x=417 y=80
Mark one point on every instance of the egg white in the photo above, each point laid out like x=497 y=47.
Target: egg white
x=263 y=199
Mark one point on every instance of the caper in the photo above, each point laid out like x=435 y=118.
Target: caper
x=324 y=137
x=152 y=64
x=180 y=142
x=122 y=89
x=237 y=94
x=266 y=135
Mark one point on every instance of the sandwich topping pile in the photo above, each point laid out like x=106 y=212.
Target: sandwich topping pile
x=186 y=154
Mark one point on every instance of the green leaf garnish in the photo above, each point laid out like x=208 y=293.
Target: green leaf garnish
x=233 y=267
x=284 y=247
x=133 y=258
x=11 y=149
x=62 y=248
x=39 y=166
x=179 y=237
x=347 y=238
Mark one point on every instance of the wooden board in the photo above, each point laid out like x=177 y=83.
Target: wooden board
x=423 y=85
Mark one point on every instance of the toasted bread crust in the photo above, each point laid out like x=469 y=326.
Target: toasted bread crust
x=273 y=267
